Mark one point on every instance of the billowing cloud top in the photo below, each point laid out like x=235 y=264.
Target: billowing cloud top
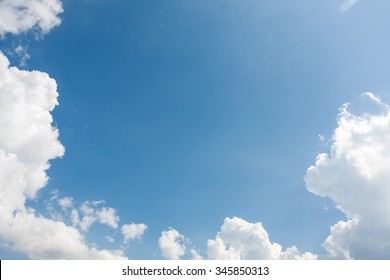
x=355 y=175
x=171 y=244
x=26 y=135
x=27 y=143
x=18 y=16
x=239 y=239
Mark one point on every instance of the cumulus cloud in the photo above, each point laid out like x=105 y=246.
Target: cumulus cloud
x=107 y=216
x=27 y=139
x=133 y=231
x=90 y=213
x=28 y=142
x=355 y=175
x=239 y=239
x=172 y=244
x=195 y=255
x=346 y=5
x=41 y=238
x=18 y=16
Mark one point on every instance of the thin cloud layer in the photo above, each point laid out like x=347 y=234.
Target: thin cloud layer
x=346 y=5
x=18 y=16
x=355 y=175
x=65 y=203
x=239 y=239
x=27 y=143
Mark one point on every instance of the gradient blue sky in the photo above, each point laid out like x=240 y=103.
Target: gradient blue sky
x=181 y=113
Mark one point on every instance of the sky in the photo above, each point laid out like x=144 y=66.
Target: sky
x=222 y=129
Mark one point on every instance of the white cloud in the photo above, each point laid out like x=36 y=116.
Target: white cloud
x=65 y=203
x=376 y=99
x=355 y=175
x=90 y=213
x=239 y=239
x=133 y=231
x=27 y=139
x=41 y=238
x=107 y=216
x=27 y=143
x=293 y=253
x=346 y=5
x=172 y=245
x=195 y=255
x=18 y=16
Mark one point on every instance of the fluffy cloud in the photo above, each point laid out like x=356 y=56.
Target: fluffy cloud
x=355 y=175
x=172 y=245
x=90 y=213
x=27 y=139
x=239 y=239
x=27 y=144
x=41 y=238
x=346 y=5
x=107 y=216
x=195 y=255
x=18 y=16
x=133 y=231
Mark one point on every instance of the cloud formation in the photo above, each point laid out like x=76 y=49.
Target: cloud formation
x=239 y=239
x=65 y=203
x=28 y=142
x=90 y=213
x=18 y=16
x=133 y=231
x=355 y=175
x=172 y=244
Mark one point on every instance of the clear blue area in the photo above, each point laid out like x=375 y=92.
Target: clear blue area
x=181 y=113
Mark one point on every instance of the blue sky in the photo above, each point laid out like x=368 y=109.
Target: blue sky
x=179 y=114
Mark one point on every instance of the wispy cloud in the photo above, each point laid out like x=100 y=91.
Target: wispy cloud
x=20 y=52
x=346 y=5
